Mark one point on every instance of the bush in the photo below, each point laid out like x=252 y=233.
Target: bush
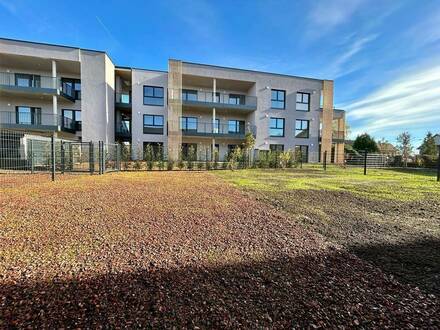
x=200 y=166
x=263 y=161
x=191 y=158
x=160 y=159
x=284 y=159
x=170 y=165
x=224 y=165
x=235 y=158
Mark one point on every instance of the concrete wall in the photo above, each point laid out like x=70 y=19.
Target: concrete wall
x=97 y=97
x=139 y=79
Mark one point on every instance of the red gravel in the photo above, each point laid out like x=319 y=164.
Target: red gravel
x=181 y=249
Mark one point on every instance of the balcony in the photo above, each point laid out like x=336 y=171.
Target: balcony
x=70 y=125
x=123 y=100
x=208 y=129
x=28 y=83
x=32 y=121
x=122 y=132
x=337 y=136
x=206 y=99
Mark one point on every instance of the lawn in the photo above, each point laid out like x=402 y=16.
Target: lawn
x=184 y=249
x=388 y=217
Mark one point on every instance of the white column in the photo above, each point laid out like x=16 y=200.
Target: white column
x=54 y=97
x=214 y=89
x=54 y=74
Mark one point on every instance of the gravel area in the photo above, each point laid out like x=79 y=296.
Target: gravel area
x=181 y=249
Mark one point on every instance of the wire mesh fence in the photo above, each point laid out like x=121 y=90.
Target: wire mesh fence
x=26 y=153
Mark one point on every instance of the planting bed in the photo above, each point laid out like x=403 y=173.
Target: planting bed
x=163 y=249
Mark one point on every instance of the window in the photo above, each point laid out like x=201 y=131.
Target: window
x=153 y=124
x=236 y=99
x=71 y=119
x=189 y=95
x=188 y=123
x=276 y=147
x=302 y=101
x=186 y=147
x=157 y=148
x=276 y=127
x=28 y=115
x=236 y=127
x=27 y=80
x=301 y=128
x=278 y=100
x=303 y=151
x=153 y=95
x=71 y=87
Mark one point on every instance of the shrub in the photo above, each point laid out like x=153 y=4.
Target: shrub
x=170 y=165
x=284 y=159
x=149 y=156
x=160 y=158
x=224 y=165
x=215 y=164
x=235 y=158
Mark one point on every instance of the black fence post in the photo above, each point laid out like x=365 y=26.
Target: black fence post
x=91 y=158
x=63 y=160
x=325 y=160
x=365 y=162
x=52 y=156
x=438 y=165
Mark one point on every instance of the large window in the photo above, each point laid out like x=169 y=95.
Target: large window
x=153 y=124
x=276 y=127
x=188 y=123
x=301 y=128
x=71 y=119
x=276 y=147
x=237 y=99
x=303 y=152
x=189 y=95
x=302 y=101
x=71 y=87
x=278 y=99
x=236 y=126
x=28 y=115
x=27 y=80
x=153 y=95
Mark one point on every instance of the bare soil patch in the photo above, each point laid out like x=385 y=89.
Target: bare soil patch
x=181 y=249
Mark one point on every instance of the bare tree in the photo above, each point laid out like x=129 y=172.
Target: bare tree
x=405 y=146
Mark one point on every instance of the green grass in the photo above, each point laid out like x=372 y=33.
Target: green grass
x=403 y=185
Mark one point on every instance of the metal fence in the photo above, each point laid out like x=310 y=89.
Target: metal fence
x=23 y=152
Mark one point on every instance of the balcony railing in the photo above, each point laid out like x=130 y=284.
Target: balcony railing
x=70 y=125
x=221 y=99
x=28 y=81
x=336 y=135
x=219 y=130
x=32 y=120
x=123 y=99
x=123 y=131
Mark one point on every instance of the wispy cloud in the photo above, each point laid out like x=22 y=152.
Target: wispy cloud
x=326 y=15
x=408 y=102
x=107 y=30
x=427 y=31
x=343 y=65
x=9 y=6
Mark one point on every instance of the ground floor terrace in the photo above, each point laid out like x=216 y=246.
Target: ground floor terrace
x=225 y=249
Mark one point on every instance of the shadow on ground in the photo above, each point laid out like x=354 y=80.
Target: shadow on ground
x=322 y=290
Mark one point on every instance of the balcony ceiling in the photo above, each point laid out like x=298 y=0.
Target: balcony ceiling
x=19 y=98
x=125 y=74
x=16 y=63
x=222 y=84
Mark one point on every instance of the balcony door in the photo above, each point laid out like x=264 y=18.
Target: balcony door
x=28 y=115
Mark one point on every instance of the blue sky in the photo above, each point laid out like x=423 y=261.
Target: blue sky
x=383 y=55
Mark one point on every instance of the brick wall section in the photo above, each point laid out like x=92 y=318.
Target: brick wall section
x=174 y=108
x=327 y=118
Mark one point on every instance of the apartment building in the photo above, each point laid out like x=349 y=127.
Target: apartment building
x=80 y=94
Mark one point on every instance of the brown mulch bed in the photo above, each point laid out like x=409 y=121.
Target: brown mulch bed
x=181 y=249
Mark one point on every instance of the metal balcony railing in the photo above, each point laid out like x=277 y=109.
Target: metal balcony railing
x=69 y=124
x=28 y=119
x=221 y=98
x=123 y=98
x=209 y=129
x=24 y=80
x=336 y=135
x=123 y=131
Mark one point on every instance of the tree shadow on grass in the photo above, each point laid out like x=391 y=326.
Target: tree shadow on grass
x=327 y=289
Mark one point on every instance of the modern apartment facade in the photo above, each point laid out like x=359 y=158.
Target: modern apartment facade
x=82 y=95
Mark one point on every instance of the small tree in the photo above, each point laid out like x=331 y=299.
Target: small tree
x=365 y=142
x=149 y=156
x=405 y=147
x=160 y=158
x=191 y=157
x=248 y=146
x=138 y=162
x=234 y=158
x=284 y=158
x=125 y=155
x=215 y=163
